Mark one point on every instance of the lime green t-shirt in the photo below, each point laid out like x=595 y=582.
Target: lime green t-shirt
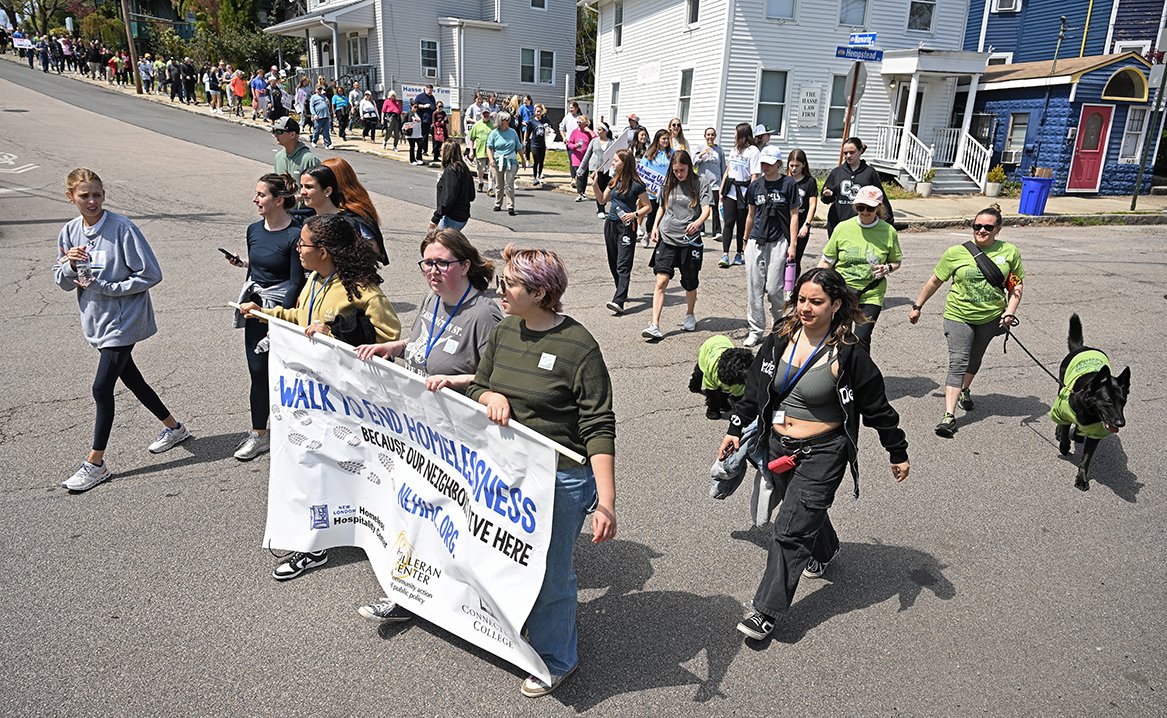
x=707 y=359
x=854 y=249
x=478 y=135
x=972 y=299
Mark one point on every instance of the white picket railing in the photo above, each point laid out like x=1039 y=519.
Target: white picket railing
x=887 y=143
x=975 y=159
x=919 y=159
x=888 y=139
x=945 y=140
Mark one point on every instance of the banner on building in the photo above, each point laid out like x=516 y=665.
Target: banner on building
x=453 y=510
x=409 y=92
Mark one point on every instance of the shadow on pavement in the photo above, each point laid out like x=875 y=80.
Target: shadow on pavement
x=199 y=450
x=1109 y=468
x=918 y=387
x=992 y=406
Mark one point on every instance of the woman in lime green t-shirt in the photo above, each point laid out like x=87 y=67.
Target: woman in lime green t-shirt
x=975 y=310
x=865 y=250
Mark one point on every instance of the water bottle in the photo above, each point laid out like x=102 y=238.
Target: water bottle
x=791 y=269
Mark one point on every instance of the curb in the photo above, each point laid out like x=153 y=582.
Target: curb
x=1047 y=220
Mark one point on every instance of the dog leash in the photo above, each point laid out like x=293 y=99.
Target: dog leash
x=1010 y=335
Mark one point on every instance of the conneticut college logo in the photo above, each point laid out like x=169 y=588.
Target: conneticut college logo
x=320 y=517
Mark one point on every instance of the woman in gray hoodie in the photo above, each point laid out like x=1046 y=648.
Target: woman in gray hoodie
x=104 y=258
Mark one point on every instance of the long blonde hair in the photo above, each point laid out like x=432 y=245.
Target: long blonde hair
x=678 y=140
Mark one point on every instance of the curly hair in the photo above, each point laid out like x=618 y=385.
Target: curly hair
x=836 y=288
x=355 y=260
x=733 y=366
x=481 y=269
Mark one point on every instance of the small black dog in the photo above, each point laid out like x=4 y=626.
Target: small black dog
x=1091 y=398
x=724 y=368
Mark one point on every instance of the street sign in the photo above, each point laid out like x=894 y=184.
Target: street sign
x=862 y=39
x=859 y=53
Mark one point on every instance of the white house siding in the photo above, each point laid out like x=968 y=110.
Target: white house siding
x=655 y=32
x=552 y=29
x=803 y=47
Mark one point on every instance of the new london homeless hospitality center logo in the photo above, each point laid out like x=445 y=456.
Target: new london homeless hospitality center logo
x=320 y=517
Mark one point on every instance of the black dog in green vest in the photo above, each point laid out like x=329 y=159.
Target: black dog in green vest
x=1092 y=398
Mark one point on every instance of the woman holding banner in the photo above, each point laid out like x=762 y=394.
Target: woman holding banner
x=656 y=162
x=544 y=369
x=342 y=289
x=459 y=276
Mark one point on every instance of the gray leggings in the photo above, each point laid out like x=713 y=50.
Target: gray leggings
x=966 y=347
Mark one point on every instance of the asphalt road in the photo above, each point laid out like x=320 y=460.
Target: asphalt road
x=985 y=584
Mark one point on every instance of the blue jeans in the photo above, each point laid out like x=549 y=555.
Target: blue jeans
x=451 y=223
x=551 y=625
x=322 y=126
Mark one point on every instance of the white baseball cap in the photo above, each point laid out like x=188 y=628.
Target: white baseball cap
x=762 y=130
x=770 y=155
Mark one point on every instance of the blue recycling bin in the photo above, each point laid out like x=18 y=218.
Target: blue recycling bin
x=1034 y=193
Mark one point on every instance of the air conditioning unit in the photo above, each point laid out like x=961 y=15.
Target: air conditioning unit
x=430 y=72
x=1011 y=157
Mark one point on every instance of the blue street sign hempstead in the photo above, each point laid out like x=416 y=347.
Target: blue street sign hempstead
x=862 y=39
x=859 y=53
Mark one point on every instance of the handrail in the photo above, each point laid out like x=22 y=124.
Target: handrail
x=919 y=158
x=975 y=159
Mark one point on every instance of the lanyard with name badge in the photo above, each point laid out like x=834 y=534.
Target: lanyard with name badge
x=312 y=300
x=432 y=341
x=780 y=414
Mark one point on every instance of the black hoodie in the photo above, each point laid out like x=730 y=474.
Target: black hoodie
x=860 y=390
x=455 y=193
x=844 y=186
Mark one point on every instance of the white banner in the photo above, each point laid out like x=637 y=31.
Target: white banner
x=620 y=143
x=453 y=510
x=22 y=43
x=409 y=92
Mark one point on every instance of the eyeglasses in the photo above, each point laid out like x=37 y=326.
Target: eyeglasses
x=301 y=244
x=428 y=265
x=675 y=124
x=985 y=227
x=863 y=209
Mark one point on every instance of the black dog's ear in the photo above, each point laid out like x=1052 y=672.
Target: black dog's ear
x=1124 y=379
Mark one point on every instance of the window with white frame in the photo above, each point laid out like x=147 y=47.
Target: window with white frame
x=853 y=13
x=1132 y=136
x=684 y=96
x=772 y=100
x=614 y=108
x=536 y=66
x=692 y=11
x=1141 y=47
x=618 y=24
x=779 y=9
x=1018 y=126
x=429 y=58
x=1001 y=58
x=358 y=50
x=539 y=4
x=921 y=15
x=837 y=110
x=1006 y=5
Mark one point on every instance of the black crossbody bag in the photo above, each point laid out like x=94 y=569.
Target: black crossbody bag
x=992 y=273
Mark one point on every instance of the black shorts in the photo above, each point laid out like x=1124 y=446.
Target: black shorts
x=687 y=257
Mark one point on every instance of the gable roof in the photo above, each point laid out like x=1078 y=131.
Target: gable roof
x=1069 y=70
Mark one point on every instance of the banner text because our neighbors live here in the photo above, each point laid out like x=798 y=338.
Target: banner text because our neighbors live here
x=487 y=488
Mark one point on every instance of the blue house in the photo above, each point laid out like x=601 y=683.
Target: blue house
x=1087 y=119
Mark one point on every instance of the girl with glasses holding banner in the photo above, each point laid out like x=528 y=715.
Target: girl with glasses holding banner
x=448 y=336
x=545 y=370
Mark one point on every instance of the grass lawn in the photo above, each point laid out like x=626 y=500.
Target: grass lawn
x=557 y=160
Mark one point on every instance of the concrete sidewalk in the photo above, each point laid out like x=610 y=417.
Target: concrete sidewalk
x=934 y=212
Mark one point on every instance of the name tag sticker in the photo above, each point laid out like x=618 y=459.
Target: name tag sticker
x=451 y=346
x=547 y=361
x=1000 y=260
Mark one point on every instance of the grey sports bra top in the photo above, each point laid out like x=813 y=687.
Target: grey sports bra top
x=814 y=397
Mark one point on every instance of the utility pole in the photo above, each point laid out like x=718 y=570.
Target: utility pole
x=133 y=50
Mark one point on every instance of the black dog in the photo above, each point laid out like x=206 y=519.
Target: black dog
x=1091 y=398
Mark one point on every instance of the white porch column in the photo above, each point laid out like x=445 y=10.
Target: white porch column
x=966 y=123
x=909 y=117
x=335 y=53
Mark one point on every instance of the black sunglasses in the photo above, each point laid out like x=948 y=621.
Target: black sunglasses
x=985 y=227
x=278 y=132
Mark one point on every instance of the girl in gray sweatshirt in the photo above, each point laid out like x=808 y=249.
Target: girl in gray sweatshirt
x=103 y=257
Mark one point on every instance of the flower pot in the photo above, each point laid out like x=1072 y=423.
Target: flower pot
x=992 y=189
x=924 y=188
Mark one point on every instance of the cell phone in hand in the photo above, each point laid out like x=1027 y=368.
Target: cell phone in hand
x=232 y=257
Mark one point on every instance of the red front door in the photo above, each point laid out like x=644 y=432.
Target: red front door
x=1090 y=148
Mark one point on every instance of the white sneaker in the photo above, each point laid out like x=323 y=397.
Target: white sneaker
x=169 y=437
x=752 y=340
x=600 y=215
x=690 y=323
x=652 y=331
x=313 y=144
x=87 y=477
x=253 y=446
x=644 y=241
x=534 y=687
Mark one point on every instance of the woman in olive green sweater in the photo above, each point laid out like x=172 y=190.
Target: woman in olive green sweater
x=546 y=371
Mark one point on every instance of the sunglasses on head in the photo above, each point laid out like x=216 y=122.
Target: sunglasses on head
x=985 y=227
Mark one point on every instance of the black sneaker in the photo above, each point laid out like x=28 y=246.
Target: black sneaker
x=385 y=611
x=757 y=625
x=947 y=426
x=297 y=564
x=965 y=400
x=712 y=413
x=815 y=569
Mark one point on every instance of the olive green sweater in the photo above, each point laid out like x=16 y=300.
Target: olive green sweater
x=556 y=382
